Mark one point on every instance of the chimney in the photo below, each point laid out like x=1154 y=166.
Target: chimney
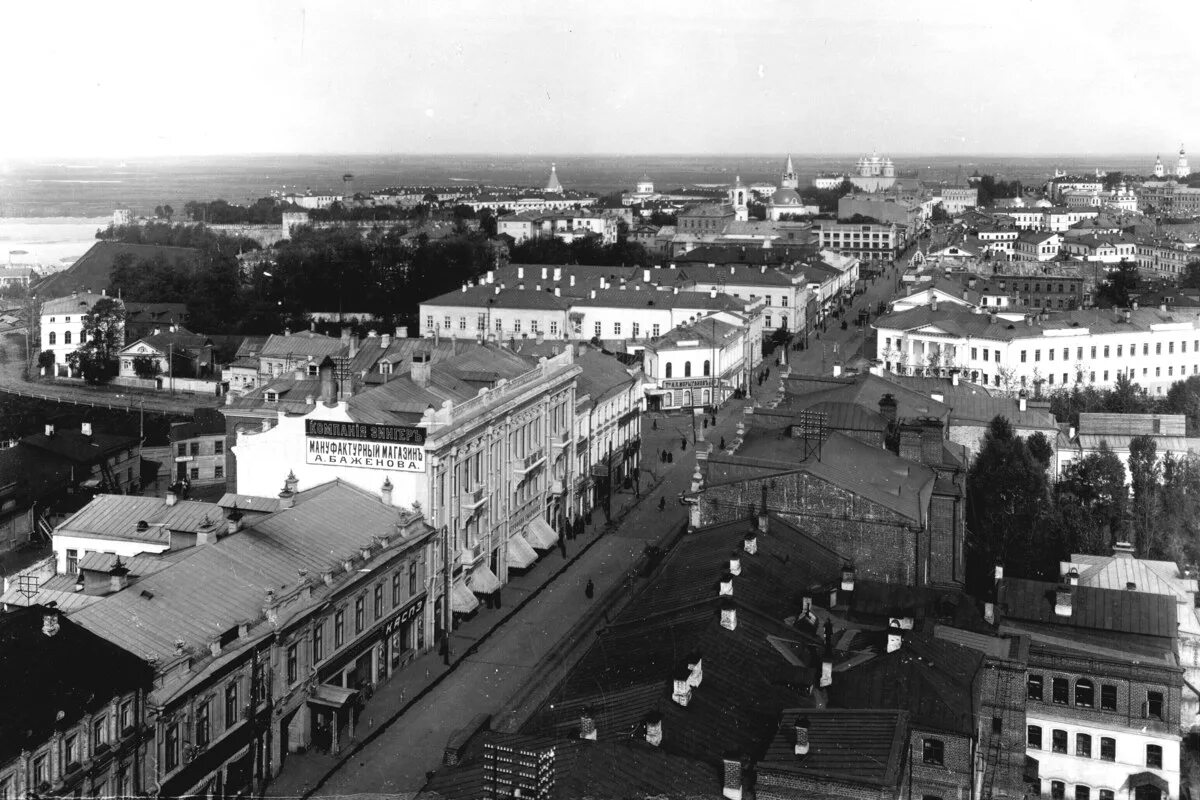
x=695 y=667
x=801 y=731
x=286 y=331
x=86 y=429
x=1073 y=576
x=118 y=576
x=421 y=368
x=937 y=397
x=557 y=291
x=732 y=789
x=401 y=331
x=645 y=276
x=653 y=729
x=837 y=370
x=887 y=407
x=933 y=305
x=1131 y=586
x=728 y=614
x=593 y=294
x=180 y=647
x=385 y=492
x=735 y=563
x=1162 y=307
x=233 y=522
x=545 y=273
x=207 y=532
x=50 y=622
x=1062 y=600
x=998 y=572
x=325 y=373
x=171 y=497
x=894 y=636
x=286 y=499
x=681 y=692
x=49 y=429
x=385 y=341
x=520 y=273
x=345 y=336
x=1123 y=550
x=750 y=542
x=989 y=612
x=572 y=279
x=587 y=724
x=827 y=667
x=848 y=572
x=1022 y=401
x=725 y=587
x=712 y=293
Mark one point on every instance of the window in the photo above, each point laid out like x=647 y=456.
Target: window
x=66 y=337
x=1022 y=356
x=1084 y=693
x=687 y=369
x=597 y=327
x=72 y=562
x=395 y=588
x=1154 y=705
x=360 y=614
x=379 y=600
x=99 y=731
x=499 y=324
x=462 y=323
x=1058 y=741
x=446 y=322
x=997 y=724
x=1037 y=355
x=232 y=713
x=292 y=665
x=1154 y=756
x=218 y=448
x=1157 y=348
x=1108 y=749
x=707 y=368
x=171 y=747
x=218 y=471
x=1107 y=794
x=933 y=752
x=71 y=749
x=1033 y=737
x=53 y=338
x=1082 y=793
x=194 y=472
x=516 y=326
x=1083 y=745
x=126 y=716
x=973 y=351
x=412 y=578
x=182 y=449
x=654 y=330
x=1108 y=697
x=318 y=642
x=1051 y=353
x=616 y=329
x=1061 y=691
x=202 y=726
x=429 y=322
x=636 y=329
x=667 y=373
x=554 y=328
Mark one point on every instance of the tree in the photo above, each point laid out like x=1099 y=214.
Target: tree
x=1040 y=449
x=1145 y=473
x=168 y=212
x=940 y=214
x=45 y=360
x=146 y=366
x=1115 y=288
x=103 y=336
x=159 y=212
x=1096 y=484
x=1184 y=398
x=1006 y=495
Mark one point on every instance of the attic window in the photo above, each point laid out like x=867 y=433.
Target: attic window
x=312 y=370
x=272 y=397
x=385 y=368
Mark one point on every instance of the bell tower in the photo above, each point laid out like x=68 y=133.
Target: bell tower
x=1182 y=170
x=789 y=180
x=739 y=199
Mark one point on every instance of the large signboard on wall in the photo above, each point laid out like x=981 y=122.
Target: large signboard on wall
x=356 y=444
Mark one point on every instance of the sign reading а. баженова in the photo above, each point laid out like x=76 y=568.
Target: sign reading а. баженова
x=357 y=444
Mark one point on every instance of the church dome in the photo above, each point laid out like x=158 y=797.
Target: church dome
x=785 y=197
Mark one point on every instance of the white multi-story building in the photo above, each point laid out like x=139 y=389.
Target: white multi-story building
x=783 y=289
x=62 y=327
x=1037 y=245
x=528 y=225
x=1153 y=347
x=698 y=364
x=609 y=398
x=957 y=199
x=1166 y=257
x=312 y=201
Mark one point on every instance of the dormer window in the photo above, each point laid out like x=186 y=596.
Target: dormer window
x=385 y=368
x=312 y=370
x=272 y=397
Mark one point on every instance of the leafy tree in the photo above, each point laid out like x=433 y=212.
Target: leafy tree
x=45 y=360
x=940 y=214
x=1145 y=473
x=146 y=366
x=1096 y=484
x=1040 y=449
x=1115 y=288
x=1184 y=398
x=1006 y=494
x=103 y=336
x=168 y=212
x=159 y=212
x=1179 y=521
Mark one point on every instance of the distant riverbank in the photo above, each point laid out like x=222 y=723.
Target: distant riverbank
x=46 y=241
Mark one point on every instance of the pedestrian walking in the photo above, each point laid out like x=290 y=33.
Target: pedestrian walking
x=562 y=545
x=655 y=423
x=683 y=443
x=722 y=442
x=662 y=503
x=670 y=458
x=590 y=590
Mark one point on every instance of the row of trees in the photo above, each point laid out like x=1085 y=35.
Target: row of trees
x=991 y=189
x=1021 y=518
x=1127 y=397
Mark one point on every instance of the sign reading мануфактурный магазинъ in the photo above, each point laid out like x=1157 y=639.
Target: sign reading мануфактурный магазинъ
x=357 y=444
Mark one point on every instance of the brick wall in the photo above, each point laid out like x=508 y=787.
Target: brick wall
x=999 y=689
x=878 y=540
x=953 y=777
x=789 y=786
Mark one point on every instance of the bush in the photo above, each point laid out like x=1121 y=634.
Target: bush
x=45 y=360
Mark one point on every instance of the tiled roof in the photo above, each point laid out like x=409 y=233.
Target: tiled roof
x=1115 y=611
x=855 y=745
x=117 y=516
x=219 y=585
x=51 y=682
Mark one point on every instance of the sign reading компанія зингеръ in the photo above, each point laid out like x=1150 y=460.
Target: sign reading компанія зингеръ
x=358 y=444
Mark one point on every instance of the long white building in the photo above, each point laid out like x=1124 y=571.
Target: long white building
x=1155 y=347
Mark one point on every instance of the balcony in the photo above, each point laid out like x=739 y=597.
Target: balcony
x=529 y=463
x=561 y=441
x=471 y=554
x=474 y=498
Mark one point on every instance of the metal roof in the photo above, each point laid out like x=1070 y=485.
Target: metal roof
x=1110 y=610
x=116 y=516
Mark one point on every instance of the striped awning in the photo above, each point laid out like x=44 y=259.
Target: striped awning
x=520 y=554
x=483 y=580
x=462 y=599
x=540 y=534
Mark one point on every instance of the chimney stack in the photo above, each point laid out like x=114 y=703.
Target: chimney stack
x=171 y=498
x=325 y=373
x=894 y=636
x=50 y=622
x=385 y=492
x=725 y=587
x=49 y=429
x=695 y=665
x=998 y=572
x=750 y=542
x=207 y=532
x=1123 y=550
x=681 y=692
x=545 y=272
x=887 y=407
x=954 y=377
x=385 y=341
x=732 y=789
x=735 y=563
x=1062 y=600
x=848 y=573
x=421 y=369
x=557 y=274
x=728 y=614
x=233 y=522
x=827 y=667
x=520 y=273
x=1023 y=401
x=401 y=331
x=654 y=728
x=801 y=729
x=587 y=724
x=86 y=429
x=118 y=576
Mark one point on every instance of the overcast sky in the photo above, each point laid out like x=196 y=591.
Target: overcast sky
x=286 y=76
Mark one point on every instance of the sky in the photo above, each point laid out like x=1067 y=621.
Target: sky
x=524 y=77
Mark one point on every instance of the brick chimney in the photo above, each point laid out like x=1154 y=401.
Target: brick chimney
x=800 y=728
x=654 y=731
x=1062 y=600
x=887 y=407
x=725 y=587
x=750 y=542
x=695 y=665
x=587 y=724
x=931 y=442
x=728 y=614
x=735 y=563
x=118 y=576
x=895 y=636
x=233 y=520
x=421 y=368
x=681 y=692
x=206 y=533
x=732 y=789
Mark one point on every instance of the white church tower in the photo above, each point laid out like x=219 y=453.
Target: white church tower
x=739 y=199
x=1182 y=170
x=1159 y=170
x=789 y=180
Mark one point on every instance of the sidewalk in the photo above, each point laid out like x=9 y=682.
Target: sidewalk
x=545 y=613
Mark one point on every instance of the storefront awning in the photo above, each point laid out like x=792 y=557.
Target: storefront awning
x=462 y=599
x=540 y=534
x=333 y=696
x=483 y=580
x=520 y=554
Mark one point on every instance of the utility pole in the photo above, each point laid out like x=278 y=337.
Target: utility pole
x=447 y=614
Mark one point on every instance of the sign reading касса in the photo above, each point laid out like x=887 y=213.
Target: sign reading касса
x=357 y=444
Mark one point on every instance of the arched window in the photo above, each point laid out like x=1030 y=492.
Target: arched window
x=687 y=369
x=707 y=368
x=66 y=337
x=666 y=374
x=1084 y=693
x=53 y=338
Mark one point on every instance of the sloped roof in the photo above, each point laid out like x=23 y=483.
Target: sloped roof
x=856 y=745
x=72 y=445
x=1111 y=610
x=602 y=375
x=1101 y=423
x=116 y=516
x=305 y=343
x=866 y=390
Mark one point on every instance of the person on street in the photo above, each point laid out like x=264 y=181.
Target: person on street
x=722 y=442
x=590 y=590
x=662 y=503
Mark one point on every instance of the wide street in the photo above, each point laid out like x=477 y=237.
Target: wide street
x=534 y=646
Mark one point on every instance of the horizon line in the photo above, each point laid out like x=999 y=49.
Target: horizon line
x=551 y=155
